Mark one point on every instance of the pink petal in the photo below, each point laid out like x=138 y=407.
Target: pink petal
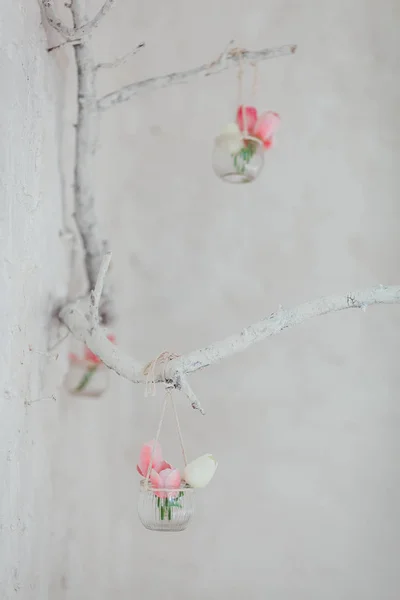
x=91 y=356
x=173 y=480
x=251 y=117
x=145 y=457
x=269 y=143
x=267 y=124
x=157 y=483
x=164 y=465
x=164 y=475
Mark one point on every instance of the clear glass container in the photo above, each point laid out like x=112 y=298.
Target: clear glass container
x=85 y=378
x=238 y=163
x=165 y=510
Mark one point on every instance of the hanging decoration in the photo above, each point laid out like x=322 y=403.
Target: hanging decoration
x=87 y=375
x=239 y=149
x=166 y=497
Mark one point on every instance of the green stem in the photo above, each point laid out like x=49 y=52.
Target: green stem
x=86 y=378
x=243 y=157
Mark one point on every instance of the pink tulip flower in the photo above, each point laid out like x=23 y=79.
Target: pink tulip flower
x=266 y=126
x=166 y=479
x=249 y=122
x=262 y=127
x=158 y=464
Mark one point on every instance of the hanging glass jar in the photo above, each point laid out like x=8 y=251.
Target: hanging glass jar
x=237 y=158
x=87 y=375
x=87 y=379
x=165 y=509
x=239 y=150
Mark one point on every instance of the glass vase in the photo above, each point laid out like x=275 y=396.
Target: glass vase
x=238 y=163
x=165 y=510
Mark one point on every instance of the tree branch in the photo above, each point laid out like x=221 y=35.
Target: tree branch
x=225 y=60
x=81 y=30
x=85 y=148
x=55 y=22
x=175 y=371
x=88 y=27
x=120 y=61
x=284 y=319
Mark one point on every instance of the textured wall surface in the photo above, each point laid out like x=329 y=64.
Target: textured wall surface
x=305 y=425
x=32 y=280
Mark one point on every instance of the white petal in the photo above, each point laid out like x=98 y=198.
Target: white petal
x=231 y=142
x=199 y=472
x=231 y=128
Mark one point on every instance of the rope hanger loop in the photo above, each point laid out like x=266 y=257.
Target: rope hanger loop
x=150 y=371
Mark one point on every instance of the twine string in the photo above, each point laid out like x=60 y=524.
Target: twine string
x=254 y=89
x=150 y=389
x=239 y=52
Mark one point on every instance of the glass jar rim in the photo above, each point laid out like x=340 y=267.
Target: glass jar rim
x=146 y=486
x=251 y=138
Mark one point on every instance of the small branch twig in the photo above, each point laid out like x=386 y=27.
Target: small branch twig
x=177 y=369
x=66 y=43
x=95 y=295
x=190 y=395
x=121 y=60
x=84 y=28
x=107 y=6
x=56 y=23
x=226 y=59
x=87 y=28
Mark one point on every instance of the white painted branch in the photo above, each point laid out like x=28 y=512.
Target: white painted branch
x=176 y=370
x=85 y=147
x=95 y=295
x=55 y=21
x=184 y=386
x=121 y=60
x=227 y=59
x=284 y=319
x=87 y=27
x=96 y=339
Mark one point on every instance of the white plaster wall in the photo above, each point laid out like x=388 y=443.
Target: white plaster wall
x=32 y=282
x=305 y=425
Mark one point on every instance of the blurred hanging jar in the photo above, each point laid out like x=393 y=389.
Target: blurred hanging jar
x=87 y=375
x=238 y=155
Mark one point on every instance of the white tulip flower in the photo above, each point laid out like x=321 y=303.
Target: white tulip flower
x=199 y=472
x=230 y=139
